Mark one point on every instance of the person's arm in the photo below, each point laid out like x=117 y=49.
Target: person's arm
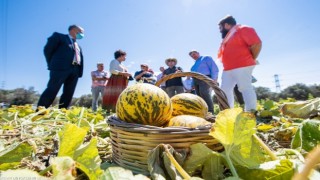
x=114 y=64
x=138 y=76
x=179 y=69
x=114 y=69
x=214 y=71
x=99 y=79
x=51 y=46
x=255 y=50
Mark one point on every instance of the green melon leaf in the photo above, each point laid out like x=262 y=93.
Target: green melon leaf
x=272 y=170
x=301 y=109
x=308 y=135
x=13 y=154
x=234 y=129
x=63 y=167
x=204 y=159
x=70 y=138
x=88 y=159
x=269 y=105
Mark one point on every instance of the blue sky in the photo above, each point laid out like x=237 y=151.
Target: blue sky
x=152 y=30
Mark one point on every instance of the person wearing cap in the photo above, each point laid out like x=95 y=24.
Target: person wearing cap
x=99 y=79
x=173 y=86
x=145 y=74
x=117 y=82
x=65 y=62
x=206 y=66
x=238 y=53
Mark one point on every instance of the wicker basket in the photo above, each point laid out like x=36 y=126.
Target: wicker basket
x=221 y=97
x=131 y=142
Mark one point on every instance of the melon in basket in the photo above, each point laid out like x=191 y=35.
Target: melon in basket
x=189 y=104
x=144 y=103
x=187 y=121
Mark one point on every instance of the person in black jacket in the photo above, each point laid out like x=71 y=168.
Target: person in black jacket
x=173 y=86
x=65 y=63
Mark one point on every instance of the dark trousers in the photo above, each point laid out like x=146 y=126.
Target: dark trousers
x=68 y=79
x=204 y=91
x=238 y=95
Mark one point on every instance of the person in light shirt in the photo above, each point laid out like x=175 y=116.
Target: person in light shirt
x=188 y=85
x=99 y=79
x=159 y=76
x=206 y=66
x=238 y=53
x=117 y=82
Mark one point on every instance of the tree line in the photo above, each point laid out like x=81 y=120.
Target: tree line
x=22 y=96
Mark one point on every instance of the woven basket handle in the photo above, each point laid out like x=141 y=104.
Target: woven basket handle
x=221 y=96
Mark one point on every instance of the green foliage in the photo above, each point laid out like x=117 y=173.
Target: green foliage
x=273 y=170
x=234 y=129
x=298 y=91
x=307 y=136
x=82 y=134
x=11 y=156
x=301 y=109
x=69 y=141
x=203 y=159
x=84 y=101
x=63 y=168
x=40 y=129
x=265 y=93
x=164 y=162
x=19 y=96
x=85 y=155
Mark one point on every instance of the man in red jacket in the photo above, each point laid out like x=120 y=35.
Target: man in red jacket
x=238 y=53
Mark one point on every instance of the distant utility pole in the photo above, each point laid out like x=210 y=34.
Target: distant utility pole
x=276 y=80
x=3 y=85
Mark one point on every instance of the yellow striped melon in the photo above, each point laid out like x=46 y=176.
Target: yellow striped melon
x=187 y=121
x=189 y=104
x=144 y=103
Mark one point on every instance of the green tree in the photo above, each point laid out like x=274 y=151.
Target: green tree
x=21 y=96
x=263 y=93
x=84 y=101
x=315 y=90
x=298 y=91
x=3 y=96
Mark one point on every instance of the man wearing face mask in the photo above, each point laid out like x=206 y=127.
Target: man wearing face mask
x=238 y=53
x=65 y=62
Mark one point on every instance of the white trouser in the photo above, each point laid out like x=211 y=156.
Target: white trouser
x=242 y=77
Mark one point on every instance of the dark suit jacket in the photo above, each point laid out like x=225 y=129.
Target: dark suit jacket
x=59 y=53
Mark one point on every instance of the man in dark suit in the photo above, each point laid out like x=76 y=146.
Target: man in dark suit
x=65 y=63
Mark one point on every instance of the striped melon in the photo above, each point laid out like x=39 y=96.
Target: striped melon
x=188 y=121
x=144 y=103
x=189 y=104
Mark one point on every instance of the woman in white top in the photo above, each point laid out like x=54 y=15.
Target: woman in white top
x=117 y=83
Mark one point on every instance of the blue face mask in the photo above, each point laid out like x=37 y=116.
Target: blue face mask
x=79 y=35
